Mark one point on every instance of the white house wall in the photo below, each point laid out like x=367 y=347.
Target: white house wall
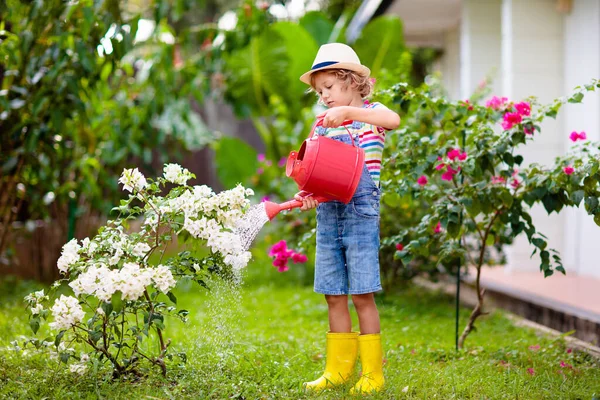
x=582 y=63
x=532 y=64
x=449 y=64
x=480 y=45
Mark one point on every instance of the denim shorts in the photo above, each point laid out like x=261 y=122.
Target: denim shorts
x=347 y=258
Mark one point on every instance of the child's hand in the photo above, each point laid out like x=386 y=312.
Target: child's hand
x=334 y=117
x=308 y=202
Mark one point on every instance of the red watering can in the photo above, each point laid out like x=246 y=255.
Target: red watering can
x=326 y=169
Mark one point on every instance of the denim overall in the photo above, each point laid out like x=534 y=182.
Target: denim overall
x=347 y=258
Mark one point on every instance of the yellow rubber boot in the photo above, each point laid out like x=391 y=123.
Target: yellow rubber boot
x=371 y=357
x=342 y=351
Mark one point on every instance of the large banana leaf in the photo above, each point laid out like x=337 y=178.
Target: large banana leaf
x=271 y=64
x=318 y=25
x=381 y=43
x=257 y=69
x=301 y=49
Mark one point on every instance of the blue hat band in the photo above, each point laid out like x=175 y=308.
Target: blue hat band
x=324 y=64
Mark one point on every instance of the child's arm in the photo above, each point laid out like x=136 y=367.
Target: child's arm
x=381 y=116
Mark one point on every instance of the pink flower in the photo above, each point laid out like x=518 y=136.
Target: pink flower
x=511 y=119
x=565 y=365
x=498 y=179
x=422 y=180
x=568 y=170
x=438 y=228
x=260 y=157
x=528 y=131
x=523 y=109
x=280 y=261
x=283 y=268
x=469 y=105
x=462 y=156
x=453 y=153
x=495 y=103
x=266 y=198
x=440 y=166
x=530 y=371
x=569 y=351
x=299 y=258
x=534 y=347
x=282 y=162
x=399 y=246
x=447 y=176
x=260 y=171
x=574 y=136
x=515 y=183
x=277 y=248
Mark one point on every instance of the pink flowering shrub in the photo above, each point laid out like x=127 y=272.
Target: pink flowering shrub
x=457 y=183
x=282 y=255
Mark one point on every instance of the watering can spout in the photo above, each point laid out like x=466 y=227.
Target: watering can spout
x=272 y=209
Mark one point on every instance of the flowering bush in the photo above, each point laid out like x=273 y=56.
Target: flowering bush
x=120 y=280
x=282 y=255
x=455 y=169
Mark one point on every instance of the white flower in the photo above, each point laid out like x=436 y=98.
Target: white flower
x=67 y=312
x=132 y=281
x=89 y=246
x=37 y=309
x=133 y=179
x=78 y=368
x=163 y=278
x=99 y=281
x=202 y=191
x=175 y=174
x=100 y=311
x=238 y=261
x=69 y=256
x=140 y=249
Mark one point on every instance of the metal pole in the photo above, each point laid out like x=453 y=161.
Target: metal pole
x=462 y=177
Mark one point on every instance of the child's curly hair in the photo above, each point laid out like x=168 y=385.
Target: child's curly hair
x=363 y=84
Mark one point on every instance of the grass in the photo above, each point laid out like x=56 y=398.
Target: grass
x=263 y=340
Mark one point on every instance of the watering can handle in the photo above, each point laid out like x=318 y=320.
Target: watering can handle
x=320 y=123
x=288 y=205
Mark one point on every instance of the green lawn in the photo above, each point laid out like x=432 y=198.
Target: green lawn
x=263 y=340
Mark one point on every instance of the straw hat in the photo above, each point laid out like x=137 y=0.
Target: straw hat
x=335 y=56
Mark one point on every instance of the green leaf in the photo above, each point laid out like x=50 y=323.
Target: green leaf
x=172 y=297
x=107 y=307
x=597 y=218
x=518 y=159
x=318 y=25
x=95 y=336
x=300 y=48
x=59 y=338
x=539 y=243
x=577 y=196
x=34 y=323
x=64 y=357
x=117 y=302
x=550 y=202
x=381 y=44
x=576 y=98
x=591 y=203
x=453 y=229
x=236 y=161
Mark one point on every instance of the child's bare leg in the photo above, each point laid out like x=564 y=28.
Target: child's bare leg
x=368 y=316
x=339 y=314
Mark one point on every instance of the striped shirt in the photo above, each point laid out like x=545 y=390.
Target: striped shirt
x=371 y=139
